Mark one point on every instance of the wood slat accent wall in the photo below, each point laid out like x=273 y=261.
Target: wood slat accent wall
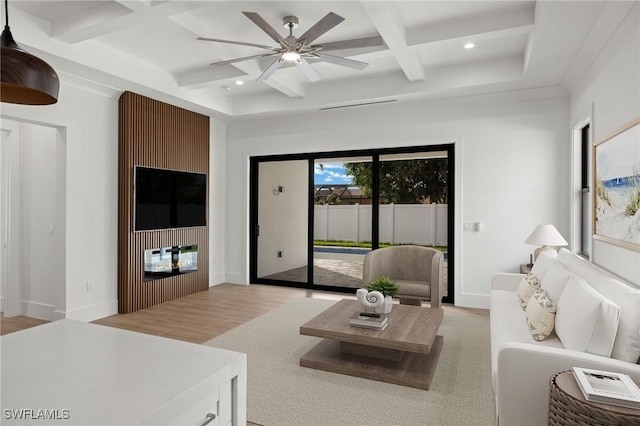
x=155 y=134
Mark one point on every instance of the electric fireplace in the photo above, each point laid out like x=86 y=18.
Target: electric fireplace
x=168 y=261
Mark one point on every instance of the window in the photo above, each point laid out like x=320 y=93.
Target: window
x=585 y=200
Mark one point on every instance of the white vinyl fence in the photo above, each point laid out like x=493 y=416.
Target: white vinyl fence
x=424 y=224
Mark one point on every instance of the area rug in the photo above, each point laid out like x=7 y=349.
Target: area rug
x=280 y=392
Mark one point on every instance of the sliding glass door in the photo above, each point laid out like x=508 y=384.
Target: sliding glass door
x=341 y=222
x=282 y=222
x=329 y=209
x=413 y=200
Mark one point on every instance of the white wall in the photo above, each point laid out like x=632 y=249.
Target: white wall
x=282 y=217
x=217 y=194
x=512 y=159
x=87 y=122
x=4 y=142
x=43 y=248
x=611 y=89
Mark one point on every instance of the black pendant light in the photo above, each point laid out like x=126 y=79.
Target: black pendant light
x=26 y=79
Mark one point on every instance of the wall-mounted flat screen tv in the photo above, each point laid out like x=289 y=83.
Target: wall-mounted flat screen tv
x=169 y=199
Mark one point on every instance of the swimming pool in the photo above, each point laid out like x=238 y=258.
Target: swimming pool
x=342 y=250
x=347 y=250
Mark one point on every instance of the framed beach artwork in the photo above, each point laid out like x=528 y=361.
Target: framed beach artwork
x=617 y=187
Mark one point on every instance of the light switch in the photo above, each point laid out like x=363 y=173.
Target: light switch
x=472 y=226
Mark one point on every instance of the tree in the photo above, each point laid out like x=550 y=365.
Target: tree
x=332 y=199
x=404 y=181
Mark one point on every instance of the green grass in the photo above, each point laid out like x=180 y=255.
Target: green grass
x=633 y=202
x=601 y=192
x=633 y=196
x=362 y=244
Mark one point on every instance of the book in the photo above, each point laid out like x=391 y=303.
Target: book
x=608 y=387
x=370 y=327
x=358 y=320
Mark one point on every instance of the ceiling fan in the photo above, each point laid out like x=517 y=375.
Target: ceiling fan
x=297 y=49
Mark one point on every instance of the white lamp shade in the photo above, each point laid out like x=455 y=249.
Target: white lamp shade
x=546 y=235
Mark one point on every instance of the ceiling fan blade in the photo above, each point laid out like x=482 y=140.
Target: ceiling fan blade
x=337 y=60
x=264 y=26
x=352 y=44
x=308 y=70
x=329 y=21
x=241 y=43
x=231 y=61
x=271 y=69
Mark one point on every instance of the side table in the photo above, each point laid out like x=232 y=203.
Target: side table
x=567 y=405
x=525 y=268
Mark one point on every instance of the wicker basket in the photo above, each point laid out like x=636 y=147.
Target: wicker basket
x=565 y=409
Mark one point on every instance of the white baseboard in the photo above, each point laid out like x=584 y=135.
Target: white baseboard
x=92 y=312
x=216 y=279
x=470 y=300
x=236 y=278
x=41 y=311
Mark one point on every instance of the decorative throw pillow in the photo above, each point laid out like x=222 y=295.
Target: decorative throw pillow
x=554 y=281
x=541 y=315
x=543 y=263
x=527 y=287
x=586 y=321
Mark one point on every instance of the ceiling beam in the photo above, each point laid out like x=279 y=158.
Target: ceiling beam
x=116 y=16
x=386 y=19
x=287 y=87
x=506 y=24
x=384 y=87
x=203 y=77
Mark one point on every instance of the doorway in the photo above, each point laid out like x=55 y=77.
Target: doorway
x=353 y=202
x=32 y=219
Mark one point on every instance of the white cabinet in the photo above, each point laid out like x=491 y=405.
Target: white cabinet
x=86 y=374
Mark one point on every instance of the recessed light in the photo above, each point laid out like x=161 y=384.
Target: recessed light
x=469 y=46
x=239 y=82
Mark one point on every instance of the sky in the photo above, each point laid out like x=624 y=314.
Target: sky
x=617 y=156
x=330 y=173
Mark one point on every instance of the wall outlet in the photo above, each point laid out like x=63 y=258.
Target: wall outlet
x=280 y=253
x=89 y=285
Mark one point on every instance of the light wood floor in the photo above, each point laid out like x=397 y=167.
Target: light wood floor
x=198 y=317
x=204 y=315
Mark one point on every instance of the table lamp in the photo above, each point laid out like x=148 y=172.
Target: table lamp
x=545 y=236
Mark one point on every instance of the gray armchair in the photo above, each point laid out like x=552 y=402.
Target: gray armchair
x=417 y=270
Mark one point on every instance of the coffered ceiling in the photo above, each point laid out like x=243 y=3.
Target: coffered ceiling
x=151 y=47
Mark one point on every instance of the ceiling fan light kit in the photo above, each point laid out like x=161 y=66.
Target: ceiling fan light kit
x=291 y=55
x=299 y=49
x=26 y=79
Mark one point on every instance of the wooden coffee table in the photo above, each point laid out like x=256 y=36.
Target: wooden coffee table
x=405 y=353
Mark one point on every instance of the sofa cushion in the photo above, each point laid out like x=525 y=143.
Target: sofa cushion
x=627 y=342
x=540 y=313
x=543 y=263
x=554 y=281
x=527 y=287
x=586 y=321
x=509 y=325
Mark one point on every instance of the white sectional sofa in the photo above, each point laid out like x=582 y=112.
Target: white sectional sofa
x=597 y=325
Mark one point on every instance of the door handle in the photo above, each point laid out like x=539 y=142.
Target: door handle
x=210 y=418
